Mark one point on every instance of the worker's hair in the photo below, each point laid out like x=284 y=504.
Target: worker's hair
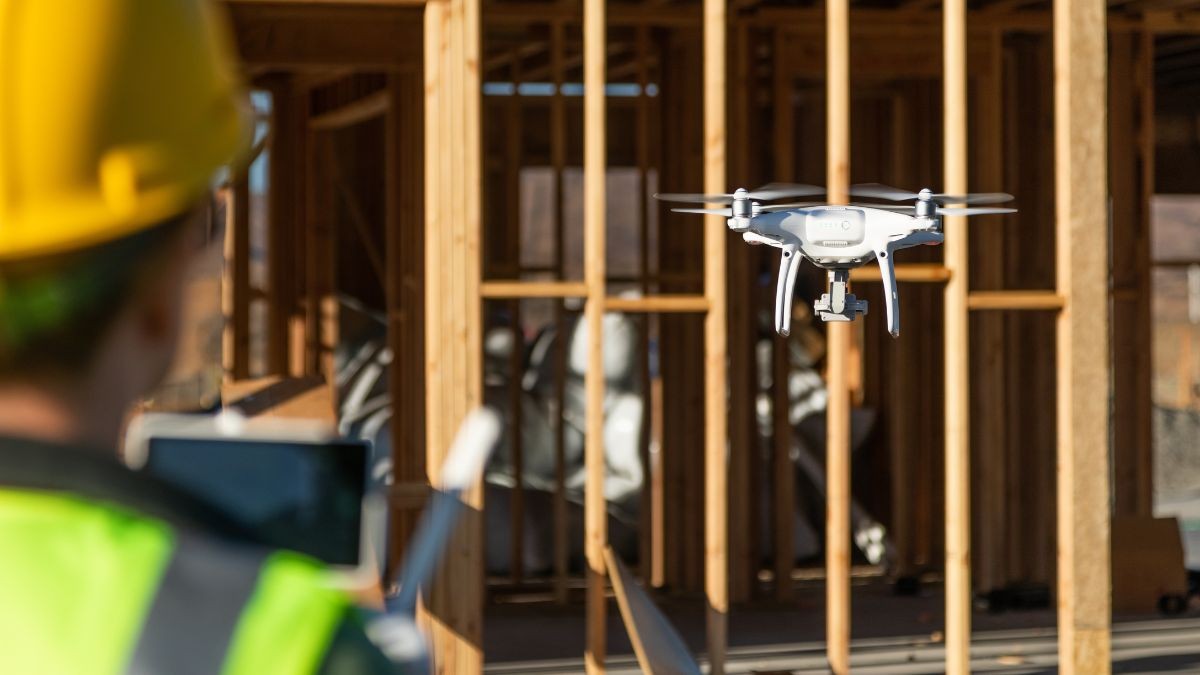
x=54 y=311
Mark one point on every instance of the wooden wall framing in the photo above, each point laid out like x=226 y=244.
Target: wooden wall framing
x=434 y=299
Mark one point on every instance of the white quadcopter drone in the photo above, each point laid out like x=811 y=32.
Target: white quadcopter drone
x=838 y=238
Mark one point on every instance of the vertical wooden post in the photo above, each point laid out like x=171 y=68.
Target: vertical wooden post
x=784 y=473
x=741 y=323
x=281 y=223
x=558 y=154
x=716 y=486
x=517 y=354
x=594 y=169
x=300 y=178
x=904 y=369
x=1146 y=150
x=642 y=148
x=236 y=291
x=987 y=356
x=1084 y=388
x=453 y=366
x=404 y=244
x=956 y=347
x=837 y=448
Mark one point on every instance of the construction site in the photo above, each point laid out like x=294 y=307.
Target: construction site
x=451 y=205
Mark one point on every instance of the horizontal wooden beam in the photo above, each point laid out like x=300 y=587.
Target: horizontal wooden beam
x=1182 y=263
x=929 y=273
x=1015 y=300
x=1171 y=21
x=615 y=15
x=308 y=35
x=510 y=289
x=372 y=105
x=809 y=20
x=347 y=3
x=658 y=303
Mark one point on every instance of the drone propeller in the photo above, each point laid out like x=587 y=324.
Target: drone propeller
x=877 y=191
x=803 y=205
x=970 y=211
x=728 y=213
x=764 y=193
x=788 y=207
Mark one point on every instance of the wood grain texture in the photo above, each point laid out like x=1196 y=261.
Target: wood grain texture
x=783 y=478
x=595 y=166
x=1084 y=387
x=716 y=404
x=322 y=36
x=837 y=453
x=956 y=348
x=453 y=369
x=236 y=281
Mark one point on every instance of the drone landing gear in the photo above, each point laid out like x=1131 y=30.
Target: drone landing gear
x=837 y=304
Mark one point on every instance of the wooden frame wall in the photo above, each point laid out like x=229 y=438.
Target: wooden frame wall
x=454 y=290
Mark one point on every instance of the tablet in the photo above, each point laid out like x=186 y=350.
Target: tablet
x=294 y=485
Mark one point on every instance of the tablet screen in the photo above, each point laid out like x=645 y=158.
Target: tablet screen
x=302 y=496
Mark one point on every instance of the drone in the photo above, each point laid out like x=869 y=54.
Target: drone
x=838 y=238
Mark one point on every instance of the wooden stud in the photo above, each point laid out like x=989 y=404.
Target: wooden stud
x=1084 y=386
x=404 y=248
x=716 y=405
x=517 y=354
x=323 y=260
x=987 y=356
x=594 y=177
x=837 y=452
x=453 y=368
x=558 y=151
x=956 y=348
x=743 y=432
x=901 y=449
x=236 y=291
x=1144 y=431
x=783 y=476
x=642 y=149
x=281 y=224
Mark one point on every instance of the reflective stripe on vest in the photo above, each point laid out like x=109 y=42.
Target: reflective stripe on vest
x=92 y=588
x=196 y=610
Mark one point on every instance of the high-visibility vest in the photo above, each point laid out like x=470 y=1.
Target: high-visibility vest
x=88 y=587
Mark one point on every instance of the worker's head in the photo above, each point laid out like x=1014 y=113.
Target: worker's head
x=115 y=116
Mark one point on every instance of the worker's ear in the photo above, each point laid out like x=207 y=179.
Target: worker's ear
x=159 y=299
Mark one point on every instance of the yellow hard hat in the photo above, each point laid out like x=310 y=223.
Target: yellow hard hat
x=115 y=115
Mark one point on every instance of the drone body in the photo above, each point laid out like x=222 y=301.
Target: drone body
x=837 y=238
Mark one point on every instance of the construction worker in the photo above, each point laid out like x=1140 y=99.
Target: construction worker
x=114 y=117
